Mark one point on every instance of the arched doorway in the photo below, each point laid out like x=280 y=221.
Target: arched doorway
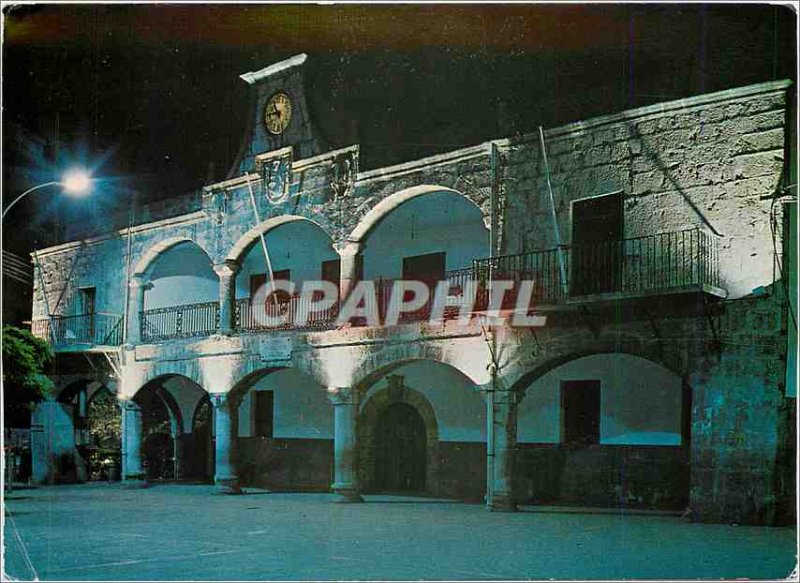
x=400 y=450
x=160 y=429
x=168 y=403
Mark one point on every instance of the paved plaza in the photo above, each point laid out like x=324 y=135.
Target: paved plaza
x=186 y=532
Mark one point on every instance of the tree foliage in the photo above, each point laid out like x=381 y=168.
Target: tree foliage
x=25 y=360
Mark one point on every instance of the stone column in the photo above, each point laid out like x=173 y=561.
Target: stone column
x=138 y=286
x=345 y=444
x=348 y=252
x=133 y=474
x=225 y=477
x=505 y=438
x=227 y=295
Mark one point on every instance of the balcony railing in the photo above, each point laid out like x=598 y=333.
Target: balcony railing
x=186 y=321
x=248 y=316
x=642 y=264
x=98 y=329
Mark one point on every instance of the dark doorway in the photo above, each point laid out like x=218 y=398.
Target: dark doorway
x=580 y=412
x=400 y=450
x=263 y=413
x=198 y=452
x=597 y=231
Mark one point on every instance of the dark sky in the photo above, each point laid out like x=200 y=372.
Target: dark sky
x=150 y=94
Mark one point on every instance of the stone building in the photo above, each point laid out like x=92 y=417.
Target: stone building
x=656 y=239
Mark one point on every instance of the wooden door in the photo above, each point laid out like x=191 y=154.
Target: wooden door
x=400 y=450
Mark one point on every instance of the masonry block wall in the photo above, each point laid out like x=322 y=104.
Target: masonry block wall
x=706 y=162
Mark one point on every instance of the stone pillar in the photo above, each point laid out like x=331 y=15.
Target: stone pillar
x=138 y=286
x=225 y=477
x=505 y=438
x=345 y=444
x=227 y=295
x=133 y=474
x=348 y=271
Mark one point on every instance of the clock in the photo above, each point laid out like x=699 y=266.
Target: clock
x=278 y=113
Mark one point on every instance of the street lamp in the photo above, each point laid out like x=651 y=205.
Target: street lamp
x=75 y=182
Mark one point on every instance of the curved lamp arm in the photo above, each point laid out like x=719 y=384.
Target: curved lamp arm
x=37 y=187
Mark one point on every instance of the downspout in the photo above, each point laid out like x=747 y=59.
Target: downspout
x=559 y=251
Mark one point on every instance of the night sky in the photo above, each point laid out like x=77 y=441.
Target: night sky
x=150 y=95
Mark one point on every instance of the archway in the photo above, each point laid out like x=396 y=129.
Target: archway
x=421 y=429
x=181 y=298
x=165 y=403
x=608 y=429
x=423 y=237
x=400 y=450
x=95 y=416
x=284 y=431
x=299 y=251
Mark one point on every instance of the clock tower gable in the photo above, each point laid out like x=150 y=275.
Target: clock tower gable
x=279 y=115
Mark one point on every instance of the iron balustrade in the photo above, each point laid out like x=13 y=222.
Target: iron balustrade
x=187 y=321
x=249 y=318
x=650 y=263
x=95 y=329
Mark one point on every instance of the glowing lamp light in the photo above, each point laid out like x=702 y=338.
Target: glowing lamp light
x=76 y=182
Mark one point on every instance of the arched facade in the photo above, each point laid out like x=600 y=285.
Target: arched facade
x=390 y=203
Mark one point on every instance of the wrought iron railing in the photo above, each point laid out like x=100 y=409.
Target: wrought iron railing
x=185 y=321
x=282 y=314
x=641 y=264
x=97 y=329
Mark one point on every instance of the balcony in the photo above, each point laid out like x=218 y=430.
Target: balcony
x=81 y=331
x=655 y=264
x=676 y=262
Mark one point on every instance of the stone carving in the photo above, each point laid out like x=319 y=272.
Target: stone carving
x=344 y=169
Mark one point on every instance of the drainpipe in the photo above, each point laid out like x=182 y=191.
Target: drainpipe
x=559 y=250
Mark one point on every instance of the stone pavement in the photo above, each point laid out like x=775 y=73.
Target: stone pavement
x=185 y=532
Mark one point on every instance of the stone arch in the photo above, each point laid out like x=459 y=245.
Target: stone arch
x=368 y=417
x=379 y=363
x=381 y=210
x=166 y=397
x=250 y=371
x=520 y=381
x=244 y=242
x=160 y=369
x=149 y=257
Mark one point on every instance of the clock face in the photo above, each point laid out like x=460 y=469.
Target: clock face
x=278 y=113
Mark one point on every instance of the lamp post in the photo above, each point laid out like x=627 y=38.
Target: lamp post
x=75 y=182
